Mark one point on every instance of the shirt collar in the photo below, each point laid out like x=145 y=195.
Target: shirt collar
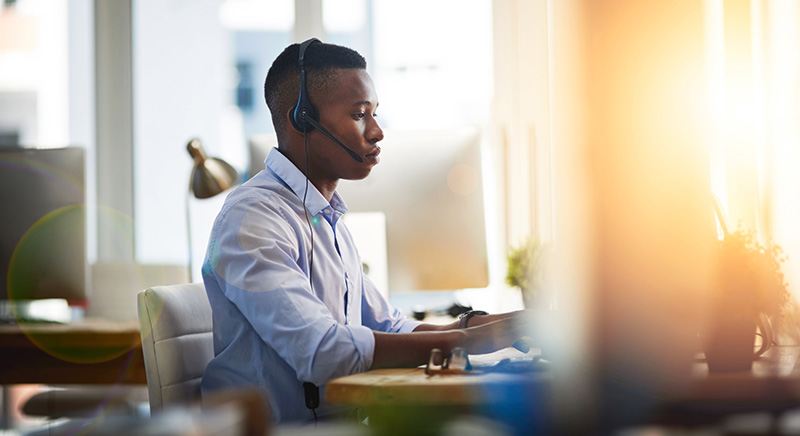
x=285 y=170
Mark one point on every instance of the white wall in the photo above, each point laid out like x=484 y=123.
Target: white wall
x=182 y=86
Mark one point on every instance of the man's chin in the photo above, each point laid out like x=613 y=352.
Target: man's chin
x=357 y=176
x=361 y=174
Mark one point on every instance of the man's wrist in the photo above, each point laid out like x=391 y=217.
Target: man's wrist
x=463 y=319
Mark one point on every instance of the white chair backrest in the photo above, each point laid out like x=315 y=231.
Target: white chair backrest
x=258 y=147
x=177 y=342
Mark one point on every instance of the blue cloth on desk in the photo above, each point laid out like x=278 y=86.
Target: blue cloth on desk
x=272 y=329
x=517 y=365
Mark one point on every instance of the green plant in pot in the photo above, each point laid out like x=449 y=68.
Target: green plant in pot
x=748 y=290
x=529 y=270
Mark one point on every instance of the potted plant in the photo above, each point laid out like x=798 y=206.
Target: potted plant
x=748 y=290
x=528 y=270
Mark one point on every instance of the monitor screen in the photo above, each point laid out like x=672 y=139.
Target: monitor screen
x=429 y=188
x=43 y=218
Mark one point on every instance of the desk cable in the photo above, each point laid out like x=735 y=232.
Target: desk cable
x=311 y=392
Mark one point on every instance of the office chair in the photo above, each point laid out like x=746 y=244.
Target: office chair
x=177 y=342
x=258 y=146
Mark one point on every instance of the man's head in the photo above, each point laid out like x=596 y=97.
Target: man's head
x=338 y=85
x=321 y=61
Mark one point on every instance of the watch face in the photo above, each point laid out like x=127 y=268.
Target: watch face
x=464 y=317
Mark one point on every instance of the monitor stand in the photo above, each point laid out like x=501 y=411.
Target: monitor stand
x=51 y=310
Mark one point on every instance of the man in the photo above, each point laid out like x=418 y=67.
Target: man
x=291 y=304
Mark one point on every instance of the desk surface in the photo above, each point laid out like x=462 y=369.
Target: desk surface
x=86 y=352
x=774 y=378
x=413 y=386
x=773 y=383
x=399 y=386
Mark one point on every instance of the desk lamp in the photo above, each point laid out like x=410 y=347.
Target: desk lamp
x=210 y=176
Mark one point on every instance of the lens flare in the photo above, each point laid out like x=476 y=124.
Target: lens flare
x=32 y=273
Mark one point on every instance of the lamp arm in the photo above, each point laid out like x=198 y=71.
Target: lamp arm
x=189 y=235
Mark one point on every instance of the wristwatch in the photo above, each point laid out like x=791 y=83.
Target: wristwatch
x=463 y=319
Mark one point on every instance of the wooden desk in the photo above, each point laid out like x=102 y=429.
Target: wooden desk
x=411 y=386
x=773 y=385
x=406 y=401
x=398 y=386
x=87 y=352
x=408 y=396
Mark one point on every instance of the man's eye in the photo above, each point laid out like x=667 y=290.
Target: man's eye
x=359 y=116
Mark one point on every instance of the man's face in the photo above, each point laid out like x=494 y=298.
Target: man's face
x=348 y=111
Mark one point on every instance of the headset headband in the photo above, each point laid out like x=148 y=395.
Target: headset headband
x=303 y=48
x=304 y=109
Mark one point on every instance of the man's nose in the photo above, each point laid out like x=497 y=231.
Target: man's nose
x=375 y=133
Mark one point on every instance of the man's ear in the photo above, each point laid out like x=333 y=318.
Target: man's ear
x=290 y=125
x=290 y=133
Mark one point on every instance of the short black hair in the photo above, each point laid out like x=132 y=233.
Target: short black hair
x=282 y=85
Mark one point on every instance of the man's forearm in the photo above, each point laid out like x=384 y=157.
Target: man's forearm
x=473 y=322
x=479 y=320
x=436 y=327
x=412 y=349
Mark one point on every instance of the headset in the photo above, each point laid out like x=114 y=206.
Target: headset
x=305 y=116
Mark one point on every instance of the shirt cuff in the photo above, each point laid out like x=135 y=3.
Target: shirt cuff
x=364 y=340
x=409 y=325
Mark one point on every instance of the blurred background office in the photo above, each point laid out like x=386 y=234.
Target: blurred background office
x=601 y=126
x=132 y=82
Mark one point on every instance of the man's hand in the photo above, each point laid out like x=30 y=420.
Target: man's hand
x=495 y=335
x=485 y=334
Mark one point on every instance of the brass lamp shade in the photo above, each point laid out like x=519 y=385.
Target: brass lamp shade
x=210 y=176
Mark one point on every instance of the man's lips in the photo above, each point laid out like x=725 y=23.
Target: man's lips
x=374 y=153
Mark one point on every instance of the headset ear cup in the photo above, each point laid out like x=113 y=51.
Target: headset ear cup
x=304 y=108
x=296 y=114
x=296 y=119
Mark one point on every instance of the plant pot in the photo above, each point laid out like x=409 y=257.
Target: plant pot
x=730 y=344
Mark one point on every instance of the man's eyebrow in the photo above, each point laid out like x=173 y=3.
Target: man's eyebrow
x=364 y=103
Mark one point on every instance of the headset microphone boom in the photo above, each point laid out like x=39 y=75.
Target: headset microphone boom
x=305 y=116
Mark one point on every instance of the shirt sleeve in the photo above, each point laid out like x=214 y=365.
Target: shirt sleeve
x=378 y=314
x=258 y=259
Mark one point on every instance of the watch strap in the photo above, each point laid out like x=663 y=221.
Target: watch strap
x=463 y=319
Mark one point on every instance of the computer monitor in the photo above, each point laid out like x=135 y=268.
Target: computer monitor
x=43 y=216
x=429 y=187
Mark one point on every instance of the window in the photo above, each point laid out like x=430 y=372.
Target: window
x=196 y=69
x=755 y=100
x=199 y=67
x=438 y=74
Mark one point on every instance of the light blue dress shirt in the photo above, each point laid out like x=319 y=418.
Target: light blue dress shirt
x=272 y=329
